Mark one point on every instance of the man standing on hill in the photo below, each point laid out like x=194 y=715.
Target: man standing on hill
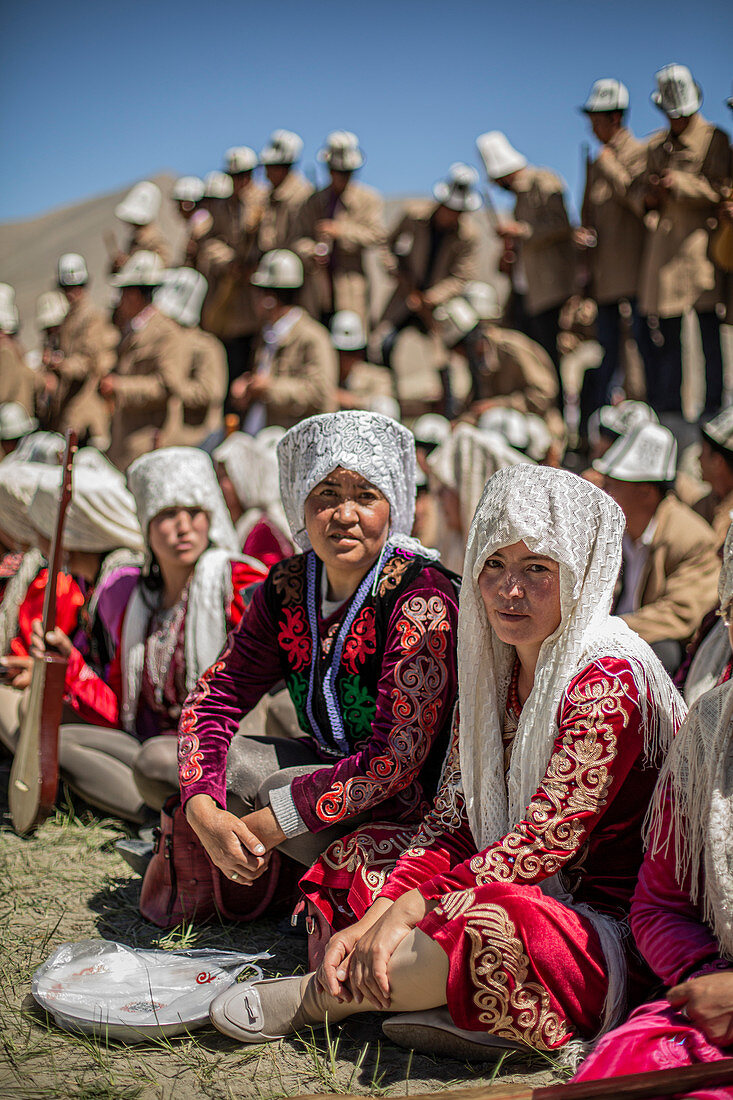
x=539 y=241
x=86 y=353
x=139 y=209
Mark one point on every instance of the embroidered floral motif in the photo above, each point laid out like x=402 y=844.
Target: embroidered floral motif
x=574 y=788
x=189 y=759
x=358 y=707
x=287 y=580
x=294 y=638
x=508 y=1004
x=392 y=572
x=420 y=676
x=298 y=691
x=189 y=756
x=361 y=641
x=448 y=812
x=368 y=855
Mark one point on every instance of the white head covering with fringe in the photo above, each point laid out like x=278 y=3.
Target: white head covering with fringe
x=101 y=515
x=253 y=471
x=367 y=443
x=181 y=477
x=557 y=514
x=697 y=777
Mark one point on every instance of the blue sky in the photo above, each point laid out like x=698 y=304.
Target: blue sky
x=96 y=95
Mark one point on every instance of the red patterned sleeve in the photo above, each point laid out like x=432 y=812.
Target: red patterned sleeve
x=248 y=667
x=415 y=693
x=600 y=739
x=69 y=601
x=246 y=576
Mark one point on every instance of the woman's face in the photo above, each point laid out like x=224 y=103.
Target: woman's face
x=179 y=536
x=521 y=594
x=347 y=520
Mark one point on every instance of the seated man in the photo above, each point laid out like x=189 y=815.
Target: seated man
x=670 y=567
x=361 y=385
x=716 y=463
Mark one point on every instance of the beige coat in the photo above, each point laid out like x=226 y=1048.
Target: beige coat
x=145 y=238
x=281 y=210
x=607 y=208
x=364 y=382
x=343 y=283
x=197 y=409
x=153 y=369
x=680 y=581
x=408 y=252
x=546 y=252
x=227 y=258
x=677 y=274
x=520 y=373
x=717 y=513
x=89 y=342
x=17 y=379
x=302 y=376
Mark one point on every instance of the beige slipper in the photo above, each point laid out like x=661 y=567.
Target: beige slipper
x=433 y=1032
x=261 y=1012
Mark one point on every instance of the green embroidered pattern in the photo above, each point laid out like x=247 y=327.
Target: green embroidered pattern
x=358 y=707
x=297 y=686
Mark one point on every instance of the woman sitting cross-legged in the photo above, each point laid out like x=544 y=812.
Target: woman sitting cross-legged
x=361 y=626
x=163 y=625
x=681 y=911
x=509 y=904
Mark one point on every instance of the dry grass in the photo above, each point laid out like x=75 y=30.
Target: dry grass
x=67 y=883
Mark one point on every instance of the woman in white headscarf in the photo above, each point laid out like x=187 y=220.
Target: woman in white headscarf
x=248 y=476
x=164 y=621
x=682 y=911
x=361 y=627
x=507 y=910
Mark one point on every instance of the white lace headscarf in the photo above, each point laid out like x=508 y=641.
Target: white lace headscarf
x=18 y=483
x=698 y=777
x=367 y=443
x=101 y=515
x=252 y=469
x=557 y=514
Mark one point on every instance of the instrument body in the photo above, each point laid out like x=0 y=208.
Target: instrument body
x=35 y=770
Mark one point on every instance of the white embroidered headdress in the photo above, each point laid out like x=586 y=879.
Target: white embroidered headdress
x=698 y=778
x=375 y=446
x=562 y=516
x=101 y=515
x=180 y=477
x=18 y=482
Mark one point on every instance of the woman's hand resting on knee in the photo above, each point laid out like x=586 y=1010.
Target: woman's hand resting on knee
x=370 y=958
x=333 y=973
x=707 y=1002
x=234 y=848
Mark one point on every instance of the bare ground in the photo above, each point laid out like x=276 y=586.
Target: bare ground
x=67 y=883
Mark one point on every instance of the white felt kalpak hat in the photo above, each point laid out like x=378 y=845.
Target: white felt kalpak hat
x=347 y=331
x=182 y=295
x=72 y=270
x=141 y=205
x=458 y=190
x=431 y=428
x=279 y=269
x=457 y=319
x=523 y=432
x=606 y=95
x=51 y=308
x=484 y=300
x=217 y=185
x=9 y=319
x=620 y=419
x=647 y=453
x=677 y=94
x=499 y=156
x=341 y=151
x=141 y=269
x=284 y=147
x=240 y=158
x=188 y=189
x=15 y=421
x=720 y=429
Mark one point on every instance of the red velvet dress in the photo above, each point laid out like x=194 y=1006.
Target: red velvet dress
x=69 y=602
x=522 y=965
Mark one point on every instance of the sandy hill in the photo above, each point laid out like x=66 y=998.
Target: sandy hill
x=29 y=249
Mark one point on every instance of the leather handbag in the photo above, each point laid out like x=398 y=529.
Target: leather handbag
x=182 y=884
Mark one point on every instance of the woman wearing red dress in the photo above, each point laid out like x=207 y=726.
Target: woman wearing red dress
x=504 y=921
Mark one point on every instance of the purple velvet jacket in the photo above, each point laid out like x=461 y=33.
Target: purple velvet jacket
x=389 y=769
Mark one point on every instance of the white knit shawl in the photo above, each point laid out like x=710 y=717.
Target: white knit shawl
x=562 y=516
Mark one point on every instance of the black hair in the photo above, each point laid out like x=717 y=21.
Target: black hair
x=286 y=296
x=719 y=449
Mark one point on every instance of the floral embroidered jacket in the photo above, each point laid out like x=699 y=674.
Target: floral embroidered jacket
x=584 y=821
x=668 y=926
x=375 y=698
x=96 y=694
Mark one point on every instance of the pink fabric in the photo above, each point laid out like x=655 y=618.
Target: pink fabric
x=654 y=1037
x=267 y=543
